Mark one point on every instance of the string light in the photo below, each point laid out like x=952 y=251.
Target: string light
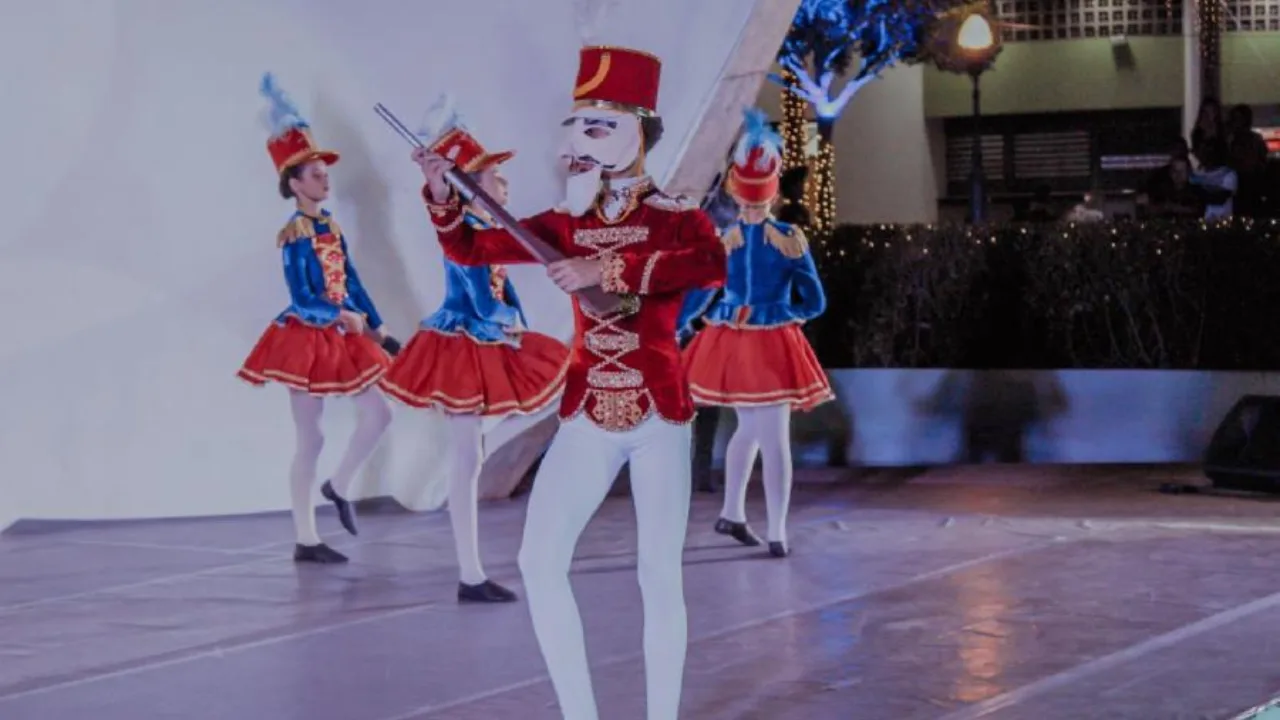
x=793 y=124
x=794 y=149
x=1155 y=235
x=824 y=190
x=1209 y=19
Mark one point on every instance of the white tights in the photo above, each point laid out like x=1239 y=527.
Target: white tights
x=468 y=454
x=572 y=482
x=373 y=416
x=768 y=430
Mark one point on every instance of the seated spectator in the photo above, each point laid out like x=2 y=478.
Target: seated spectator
x=1160 y=184
x=1216 y=180
x=1174 y=196
x=1039 y=211
x=1087 y=211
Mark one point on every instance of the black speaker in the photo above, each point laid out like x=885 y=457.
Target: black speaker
x=1244 y=453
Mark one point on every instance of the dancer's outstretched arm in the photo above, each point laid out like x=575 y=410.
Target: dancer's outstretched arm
x=466 y=245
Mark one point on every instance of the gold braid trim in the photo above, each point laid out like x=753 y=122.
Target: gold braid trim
x=647 y=275
x=732 y=238
x=451 y=226
x=611 y=275
x=299 y=228
x=454 y=203
x=791 y=243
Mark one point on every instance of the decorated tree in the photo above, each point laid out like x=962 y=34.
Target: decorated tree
x=825 y=39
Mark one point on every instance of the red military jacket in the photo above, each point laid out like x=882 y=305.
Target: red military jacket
x=625 y=366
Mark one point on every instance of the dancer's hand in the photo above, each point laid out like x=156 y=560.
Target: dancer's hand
x=433 y=169
x=351 y=322
x=574 y=274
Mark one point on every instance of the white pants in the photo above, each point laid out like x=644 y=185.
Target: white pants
x=372 y=418
x=572 y=482
x=765 y=430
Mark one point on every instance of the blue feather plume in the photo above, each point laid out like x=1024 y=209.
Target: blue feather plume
x=757 y=133
x=440 y=118
x=282 y=115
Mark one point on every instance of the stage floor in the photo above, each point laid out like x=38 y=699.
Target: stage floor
x=1000 y=592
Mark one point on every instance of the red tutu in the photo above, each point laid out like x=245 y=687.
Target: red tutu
x=459 y=374
x=731 y=366
x=319 y=361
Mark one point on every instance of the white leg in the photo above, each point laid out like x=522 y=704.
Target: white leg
x=307 y=410
x=572 y=481
x=660 y=486
x=739 y=458
x=468 y=453
x=773 y=431
x=372 y=418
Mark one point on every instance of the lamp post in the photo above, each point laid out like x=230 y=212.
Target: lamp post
x=977 y=47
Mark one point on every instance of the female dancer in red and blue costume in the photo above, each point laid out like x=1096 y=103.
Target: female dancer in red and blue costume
x=752 y=355
x=329 y=341
x=473 y=358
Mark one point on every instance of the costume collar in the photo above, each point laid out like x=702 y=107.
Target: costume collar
x=323 y=217
x=622 y=196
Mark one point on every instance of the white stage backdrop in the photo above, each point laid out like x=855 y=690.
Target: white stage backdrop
x=139 y=257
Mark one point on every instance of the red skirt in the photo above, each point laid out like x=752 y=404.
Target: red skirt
x=743 y=367
x=319 y=361
x=459 y=374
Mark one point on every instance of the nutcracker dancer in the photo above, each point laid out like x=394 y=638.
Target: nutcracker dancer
x=329 y=341
x=626 y=399
x=751 y=355
x=473 y=358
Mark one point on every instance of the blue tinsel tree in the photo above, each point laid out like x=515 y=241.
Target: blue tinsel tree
x=826 y=38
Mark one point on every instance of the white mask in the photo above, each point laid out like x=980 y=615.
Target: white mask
x=609 y=139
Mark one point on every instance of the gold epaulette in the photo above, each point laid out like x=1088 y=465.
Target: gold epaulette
x=732 y=237
x=300 y=227
x=790 y=241
x=671 y=203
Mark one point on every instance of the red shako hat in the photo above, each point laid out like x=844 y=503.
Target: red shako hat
x=446 y=135
x=618 y=78
x=757 y=161
x=290 y=143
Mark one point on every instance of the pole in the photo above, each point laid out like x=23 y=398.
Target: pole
x=977 y=199
x=1192 y=81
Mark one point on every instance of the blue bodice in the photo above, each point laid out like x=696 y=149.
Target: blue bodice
x=771 y=281
x=322 y=279
x=479 y=300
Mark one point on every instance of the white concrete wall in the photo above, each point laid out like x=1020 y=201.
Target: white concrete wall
x=139 y=262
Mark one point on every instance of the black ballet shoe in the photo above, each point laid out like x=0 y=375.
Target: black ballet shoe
x=346 y=513
x=778 y=549
x=738 y=531
x=391 y=345
x=322 y=554
x=486 y=592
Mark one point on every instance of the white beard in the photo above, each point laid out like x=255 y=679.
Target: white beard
x=617 y=148
x=581 y=190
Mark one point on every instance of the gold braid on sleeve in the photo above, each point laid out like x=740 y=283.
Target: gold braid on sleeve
x=611 y=275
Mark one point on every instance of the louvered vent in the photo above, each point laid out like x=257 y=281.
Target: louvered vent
x=960 y=157
x=1051 y=156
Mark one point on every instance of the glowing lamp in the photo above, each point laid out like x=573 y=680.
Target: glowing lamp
x=975 y=34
